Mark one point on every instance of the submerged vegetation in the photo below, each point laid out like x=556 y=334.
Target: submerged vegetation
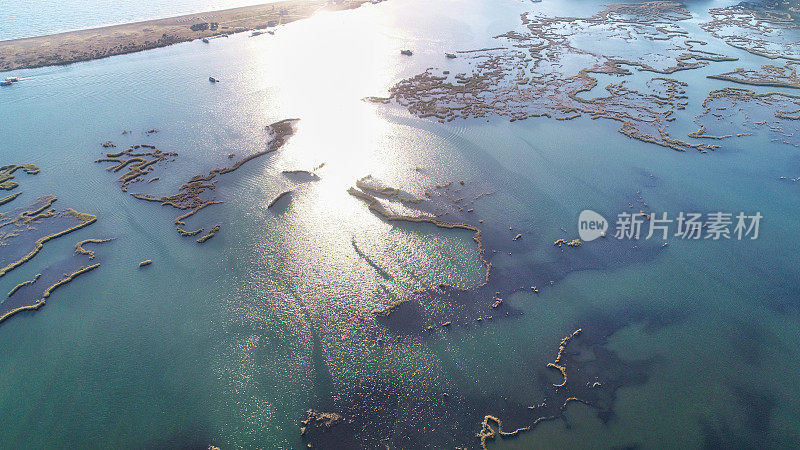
x=526 y=77
x=209 y=235
x=23 y=284
x=195 y=194
x=558 y=364
x=542 y=69
x=768 y=75
x=79 y=247
x=26 y=218
x=9 y=198
x=763 y=29
x=388 y=310
x=7 y=174
x=34 y=226
x=380 y=199
x=741 y=111
x=68 y=279
x=30 y=301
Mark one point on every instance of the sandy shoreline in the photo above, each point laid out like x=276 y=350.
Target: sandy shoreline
x=85 y=45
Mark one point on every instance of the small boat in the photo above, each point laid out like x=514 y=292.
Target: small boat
x=450 y=55
x=12 y=79
x=213 y=80
x=406 y=52
x=5 y=83
x=205 y=40
x=270 y=32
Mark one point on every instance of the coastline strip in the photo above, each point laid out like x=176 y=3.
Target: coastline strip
x=97 y=43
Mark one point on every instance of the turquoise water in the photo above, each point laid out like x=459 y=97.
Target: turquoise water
x=38 y=18
x=229 y=343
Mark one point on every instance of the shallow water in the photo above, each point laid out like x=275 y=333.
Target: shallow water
x=229 y=343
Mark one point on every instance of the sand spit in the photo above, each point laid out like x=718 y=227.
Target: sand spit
x=85 y=45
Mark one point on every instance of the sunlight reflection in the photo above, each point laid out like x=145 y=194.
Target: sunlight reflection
x=323 y=85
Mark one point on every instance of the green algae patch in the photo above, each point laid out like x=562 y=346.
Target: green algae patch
x=328 y=427
x=137 y=162
x=39 y=303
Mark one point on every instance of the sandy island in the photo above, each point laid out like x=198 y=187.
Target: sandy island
x=84 y=45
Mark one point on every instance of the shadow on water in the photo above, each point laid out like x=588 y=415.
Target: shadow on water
x=382 y=410
x=323 y=381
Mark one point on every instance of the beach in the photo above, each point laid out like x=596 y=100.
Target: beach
x=96 y=43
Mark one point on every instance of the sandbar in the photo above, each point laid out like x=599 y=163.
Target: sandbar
x=96 y=43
